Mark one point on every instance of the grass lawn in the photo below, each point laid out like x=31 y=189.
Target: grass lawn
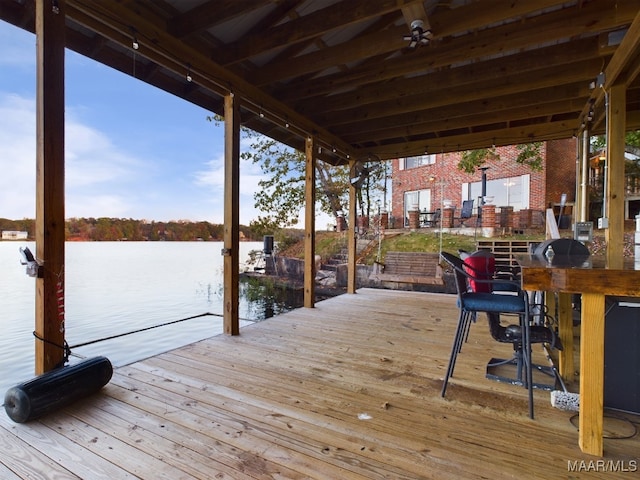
x=329 y=244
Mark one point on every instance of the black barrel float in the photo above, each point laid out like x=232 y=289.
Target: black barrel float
x=56 y=389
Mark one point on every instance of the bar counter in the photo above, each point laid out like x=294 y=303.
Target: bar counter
x=594 y=279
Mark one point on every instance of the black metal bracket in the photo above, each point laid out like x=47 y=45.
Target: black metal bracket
x=34 y=268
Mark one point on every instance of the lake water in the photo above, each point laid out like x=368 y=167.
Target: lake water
x=119 y=287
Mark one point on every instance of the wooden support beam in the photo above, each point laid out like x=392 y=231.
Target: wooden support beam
x=231 y=316
x=590 y=423
x=49 y=322
x=621 y=69
x=351 y=236
x=310 y=223
x=584 y=175
x=614 y=189
x=565 y=332
x=577 y=207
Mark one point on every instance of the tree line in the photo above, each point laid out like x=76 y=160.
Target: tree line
x=119 y=229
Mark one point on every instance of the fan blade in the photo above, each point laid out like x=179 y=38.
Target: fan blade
x=357 y=182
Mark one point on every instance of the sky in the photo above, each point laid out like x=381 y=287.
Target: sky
x=132 y=150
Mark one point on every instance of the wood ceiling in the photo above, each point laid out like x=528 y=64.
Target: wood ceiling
x=495 y=72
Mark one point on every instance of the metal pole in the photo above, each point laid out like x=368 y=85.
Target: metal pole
x=484 y=182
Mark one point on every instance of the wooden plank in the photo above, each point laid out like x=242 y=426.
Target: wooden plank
x=617 y=71
x=46 y=453
x=592 y=374
x=498 y=70
x=614 y=188
x=538 y=275
x=50 y=217
x=19 y=458
x=351 y=235
x=611 y=282
x=287 y=398
x=115 y=448
x=503 y=136
x=408 y=278
x=310 y=222
x=391 y=428
x=307 y=27
x=159 y=437
x=231 y=251
x=566 y=366
x=341 y=399
x=185 y=427
x=292 y=446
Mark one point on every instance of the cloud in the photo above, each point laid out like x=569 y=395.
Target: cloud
x=17 y=157
x=213 y=175
x=210 y=180
x=143 y=154
x=92 y=163
x=102 y=179
x=83 y=205
x=91 y=158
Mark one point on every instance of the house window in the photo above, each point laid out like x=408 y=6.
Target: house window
x=418 y=198
x=506 y=192
x=417 y=161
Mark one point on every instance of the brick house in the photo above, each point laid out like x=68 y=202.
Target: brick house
x=429 y=182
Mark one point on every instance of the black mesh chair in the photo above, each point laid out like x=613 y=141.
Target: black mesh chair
x=434 y=219
x=494 y=302
x=466 y=212
x=513 y=334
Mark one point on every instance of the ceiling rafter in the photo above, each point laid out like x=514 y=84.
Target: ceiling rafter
x=495 y=70
x=304 y=28
x=341 y=70
x=514 y=86
x=618 y=68
x=485 y=44
x=465 y=114
x=470 y=18
x=438 y=125
x=471 y=141
x=208 y=14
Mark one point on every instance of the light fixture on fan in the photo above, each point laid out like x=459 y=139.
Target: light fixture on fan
x=359 y=173
x=361 y=170
x=419 y=36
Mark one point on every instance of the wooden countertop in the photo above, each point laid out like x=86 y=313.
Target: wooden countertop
x=591 y=275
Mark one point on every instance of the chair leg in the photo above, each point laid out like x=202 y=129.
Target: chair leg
x=528 y=361
x=472 y=318
x=463 y=320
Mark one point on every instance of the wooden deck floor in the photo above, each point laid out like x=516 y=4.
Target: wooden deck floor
x=347 y=390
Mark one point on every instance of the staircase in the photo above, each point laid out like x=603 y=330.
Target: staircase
x=341 y=257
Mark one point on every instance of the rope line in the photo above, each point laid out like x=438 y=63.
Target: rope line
x=143 y=329
x=67 y=349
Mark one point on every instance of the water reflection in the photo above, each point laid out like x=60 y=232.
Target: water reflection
x=266 y=297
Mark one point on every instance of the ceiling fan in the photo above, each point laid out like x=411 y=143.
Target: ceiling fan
x=361 y=170
x=358 y=175
x=419 y=36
